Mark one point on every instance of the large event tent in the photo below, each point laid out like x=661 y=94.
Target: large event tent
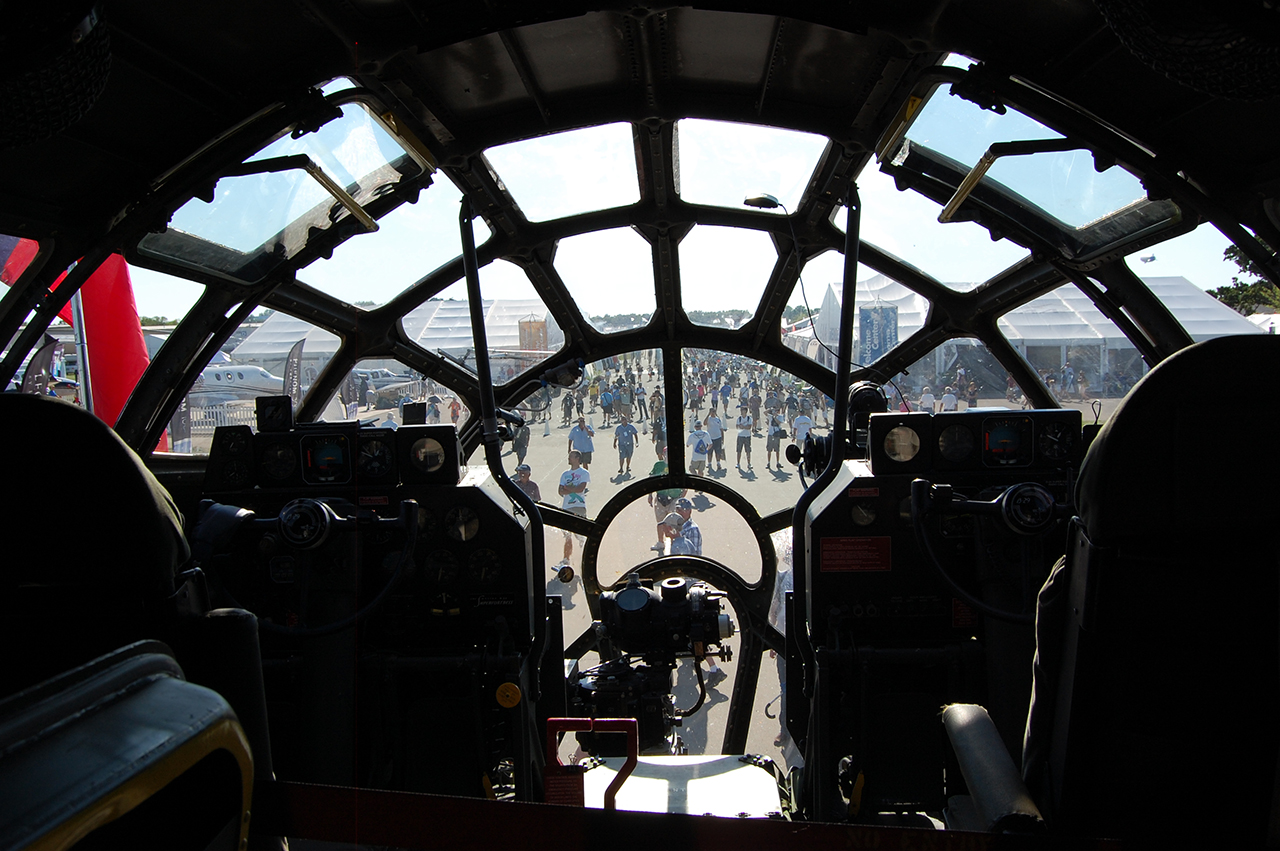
x=436 y=325
x=1048 y=331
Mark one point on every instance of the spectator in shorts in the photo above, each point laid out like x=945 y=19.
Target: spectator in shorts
x=745 y=426
x=773 y=438
x=701 y=443
x=624 y=440
x=715 y=430
x=573 y=487
x=580 y=441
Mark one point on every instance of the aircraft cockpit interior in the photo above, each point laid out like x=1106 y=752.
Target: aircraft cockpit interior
x=930 y=342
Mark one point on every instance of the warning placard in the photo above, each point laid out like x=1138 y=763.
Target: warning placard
x=856 y=554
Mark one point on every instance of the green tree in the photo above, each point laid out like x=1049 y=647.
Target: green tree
x=1253 y=293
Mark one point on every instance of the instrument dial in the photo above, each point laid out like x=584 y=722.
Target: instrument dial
x=279 y=460
x=376 y=458
x=863 y=513
x=956 y=443
x=484 y=567
x=427 y=454
x=441 y=568
x=901 y=444
x=325 y=459
x=461 y=523
x=1057 y=441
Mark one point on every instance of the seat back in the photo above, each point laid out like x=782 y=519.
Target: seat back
x=92 y=540
x=1158 y=637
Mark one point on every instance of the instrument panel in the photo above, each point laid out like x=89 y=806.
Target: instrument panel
x=865 y=568
x=332 y=455
x=472 y=560
x=975 y=441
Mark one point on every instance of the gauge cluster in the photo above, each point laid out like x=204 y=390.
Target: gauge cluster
x=864 y=560
x=1030 y=441
x=471 y=573
x=340 y=455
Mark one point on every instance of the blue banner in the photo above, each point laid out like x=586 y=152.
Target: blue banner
x=877 y=331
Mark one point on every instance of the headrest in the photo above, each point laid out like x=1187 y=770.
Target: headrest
x=78 y=506
x=1185 y=459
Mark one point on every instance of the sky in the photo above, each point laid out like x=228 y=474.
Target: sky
x=719 y=163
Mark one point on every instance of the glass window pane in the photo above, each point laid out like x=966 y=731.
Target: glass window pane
x=723 y=273
x=587 y=417
x=609 y=273
x=252 y=363
x=413 y=240
x=721 y=163
x=519 y=329
x=256 y=221
x=16 y=255
x=1196 y=256
x=956 y=376
x=887 y=311
x=569 y=173
x=905 y=225
x=748 y=455
x=1064 y=184
x=712 y=529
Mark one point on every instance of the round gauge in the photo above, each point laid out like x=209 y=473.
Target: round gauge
x=863 y=513
x=426 y=523
x=236 y=474
x=902 y=443
x=427 y=454
x=279 y=460
x=375 y=458
x=956 y=443
x=484 y=567
x=236 y=442
x=1056 y=441
x=461 y=523
x=441 y=568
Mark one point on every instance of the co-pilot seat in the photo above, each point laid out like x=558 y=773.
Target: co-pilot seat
x=102 y=734
x=92 y=541
x=1153 y=715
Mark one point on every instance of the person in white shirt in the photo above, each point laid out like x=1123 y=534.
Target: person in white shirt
x=800 y=428
x=745 y=424
x=700 y=441
x=948 y=400
x=926 y=401
x=573 y=486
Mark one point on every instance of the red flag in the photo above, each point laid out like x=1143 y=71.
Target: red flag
x=17 y=262
x=117 y=350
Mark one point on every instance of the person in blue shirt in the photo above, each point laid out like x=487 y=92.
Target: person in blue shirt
x=624 y=440
x=580 y=441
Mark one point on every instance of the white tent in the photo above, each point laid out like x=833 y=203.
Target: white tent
x=1268 y=322
x=1064 y=319
x=434 y=325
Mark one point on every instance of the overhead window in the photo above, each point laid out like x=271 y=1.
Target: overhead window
x=565 y=174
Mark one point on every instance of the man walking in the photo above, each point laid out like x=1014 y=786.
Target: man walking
x=573 y=486
x=700 y=441
x=580 y=441
x=745 y=426
x=715 y=430
x=624 y=440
